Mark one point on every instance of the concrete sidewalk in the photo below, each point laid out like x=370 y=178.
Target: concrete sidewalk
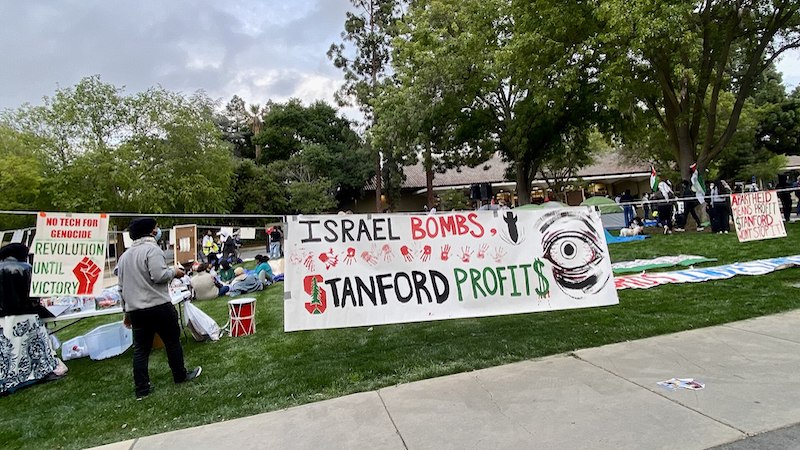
x=604 y=397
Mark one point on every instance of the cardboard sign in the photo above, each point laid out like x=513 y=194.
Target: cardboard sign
x=185 y=243
x=69 y=254
x=358 y=270
x=757 y=216
x=247 y=233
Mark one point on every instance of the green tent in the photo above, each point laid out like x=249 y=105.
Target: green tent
x=606 y=205
x=545 y=205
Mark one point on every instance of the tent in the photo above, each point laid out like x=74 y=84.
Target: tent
x=605 y=204
x=610 y=212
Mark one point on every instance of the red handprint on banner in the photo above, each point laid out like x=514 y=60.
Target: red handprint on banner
x=466 y=253
x=426 y=253
x=87 y=273
x=407 y=254
x=369 y=258
x=482 y=251
x=499 y=254
x=350 y=256
x=386 y=252
x=330 y=259
x=445 y=252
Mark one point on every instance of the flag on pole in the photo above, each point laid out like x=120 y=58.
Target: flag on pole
x=698 y=184
x=653 y=179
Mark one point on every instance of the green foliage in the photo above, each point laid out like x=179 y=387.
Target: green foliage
x=318 y=143
x=256 y=192
x=671 y=63
x=21 y=178
x=365 y=51
x=502 y=76
x=779 y=130
x=154 y=151
x=307 y=197
x=764 y=170
x=453 y=199
x=235 y=123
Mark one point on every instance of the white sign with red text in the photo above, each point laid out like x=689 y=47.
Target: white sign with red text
x=69 y=254
x=361 y=270
x=757 y=216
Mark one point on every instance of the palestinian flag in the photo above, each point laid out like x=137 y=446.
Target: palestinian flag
x=653 y=179
x=698 y=184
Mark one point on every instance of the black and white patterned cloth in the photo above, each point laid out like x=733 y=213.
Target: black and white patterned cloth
x=25 y=352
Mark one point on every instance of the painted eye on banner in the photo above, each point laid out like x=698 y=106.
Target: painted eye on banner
x=572 y=245
x=571 y=250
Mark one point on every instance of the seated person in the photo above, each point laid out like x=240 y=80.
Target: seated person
x=15 y=283
x=244 y=283
x=206 y=285
x=226 y=272
x=263 y=270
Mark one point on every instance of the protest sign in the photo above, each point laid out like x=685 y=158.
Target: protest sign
x=69 y=254
x=758 y=267
x=757 y=216
x=357 y=270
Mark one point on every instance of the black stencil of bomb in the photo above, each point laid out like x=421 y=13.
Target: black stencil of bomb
x=572 y=245
x=511 y=233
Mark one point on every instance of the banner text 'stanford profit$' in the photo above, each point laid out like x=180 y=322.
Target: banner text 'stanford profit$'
x=69 y=254
x=359 y=270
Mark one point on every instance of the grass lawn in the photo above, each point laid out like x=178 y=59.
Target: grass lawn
x=271 y=370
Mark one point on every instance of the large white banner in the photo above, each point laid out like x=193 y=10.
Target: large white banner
x=757 y=216
x=357 y=270
x=69 y=254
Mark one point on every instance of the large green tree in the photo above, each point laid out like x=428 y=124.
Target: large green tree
x=321 y=141
x=363 y=55
x=674 y=61
x=102 y=150
x=521 y=72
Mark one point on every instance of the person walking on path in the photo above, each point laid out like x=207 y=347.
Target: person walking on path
x=144 y=287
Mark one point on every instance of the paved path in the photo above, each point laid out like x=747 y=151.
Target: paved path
x=597 y=398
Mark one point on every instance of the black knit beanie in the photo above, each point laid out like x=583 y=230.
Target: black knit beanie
x=141 y=227
x=16 y=251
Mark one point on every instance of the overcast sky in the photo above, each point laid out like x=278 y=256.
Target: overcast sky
x=258 y=49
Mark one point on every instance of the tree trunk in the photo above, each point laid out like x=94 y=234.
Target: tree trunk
x=428 y=163
x=378 y=183
x=523 y=183
x=258 y=154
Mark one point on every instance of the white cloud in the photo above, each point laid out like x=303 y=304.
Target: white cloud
x=789 y=65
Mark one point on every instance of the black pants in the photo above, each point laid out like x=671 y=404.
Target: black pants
x=665 y=214
x=690 y=208
x=786 y=206
x=161 y=319
x=213 y=260
x=720 y=214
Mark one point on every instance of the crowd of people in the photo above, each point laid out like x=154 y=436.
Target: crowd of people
x=672 y=208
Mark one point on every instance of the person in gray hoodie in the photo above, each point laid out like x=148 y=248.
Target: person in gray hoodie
x=144 y=287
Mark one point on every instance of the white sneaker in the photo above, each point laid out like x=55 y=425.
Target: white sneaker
x=700 y=229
